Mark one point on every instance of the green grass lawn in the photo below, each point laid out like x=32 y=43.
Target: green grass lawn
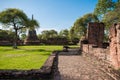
x=25 y=57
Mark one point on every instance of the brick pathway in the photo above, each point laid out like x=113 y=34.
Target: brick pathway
x=77 y=67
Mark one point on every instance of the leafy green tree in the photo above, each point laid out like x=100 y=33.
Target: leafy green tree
x=64 y=33
x=39 y=36
x=32 y=24
x=48 y=34
x=80 y=25
x=53 y=33
x=108 y=12
x=7 y=35
x=72 y=33
x=104 y=6
x=15 y=18
x=23 y=36
x=45 y=34
x=3 y=35
x=11 y=35
x=112 y=16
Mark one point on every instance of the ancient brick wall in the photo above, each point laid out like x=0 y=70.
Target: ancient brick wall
x=85 y=48
x=93 y=43
x=57 y=41
x=112 y=52
x=115 y=45
x=100 y=53
x=95 y=33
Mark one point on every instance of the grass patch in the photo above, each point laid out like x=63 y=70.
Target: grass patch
x=25 y=57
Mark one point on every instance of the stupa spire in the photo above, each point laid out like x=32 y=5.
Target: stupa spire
x=32 y=17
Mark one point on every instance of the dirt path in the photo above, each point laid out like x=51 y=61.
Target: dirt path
x=77 y=67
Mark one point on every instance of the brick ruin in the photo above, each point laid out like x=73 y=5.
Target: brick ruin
x=115 y=45
x=93 y=45
x=32 y=38
x=95 y=34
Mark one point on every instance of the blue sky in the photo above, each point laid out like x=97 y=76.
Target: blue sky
x=52 y=14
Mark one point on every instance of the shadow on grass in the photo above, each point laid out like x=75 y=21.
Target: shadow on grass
x=44 y=51
x=6 y=50
x=36 y=50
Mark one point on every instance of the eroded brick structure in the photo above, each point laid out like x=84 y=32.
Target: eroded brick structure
x=93 y=43
x=115 y=45
x=95 y=33
x=111 y=53
x=32 y=38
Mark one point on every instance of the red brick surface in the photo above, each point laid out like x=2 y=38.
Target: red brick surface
x=95 y=33
x=115 y=45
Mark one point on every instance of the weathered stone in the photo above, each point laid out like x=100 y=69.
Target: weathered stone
x=32 y=38
x=72 y=67
x=115 y=45
x=95 y=33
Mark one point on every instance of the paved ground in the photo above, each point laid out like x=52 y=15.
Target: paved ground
x=77 y=67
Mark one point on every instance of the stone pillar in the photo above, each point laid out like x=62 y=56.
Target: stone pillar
x=95 y=34
x=115 y=45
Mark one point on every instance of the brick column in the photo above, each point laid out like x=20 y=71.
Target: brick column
x=95 y=34
x=115 y=45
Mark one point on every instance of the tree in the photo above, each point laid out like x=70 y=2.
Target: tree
x=72 y=33
x=39 y=36
x=23 y=36
x=80 y=25
x=15 y=18
x=3 y=35
x=49 y=34
x=64 y=33
x=52 y=33
x=45 y=34
x=104 y=6
x=11 y=35
x=112 y=16
x=32 y=24
x=108 y=12
x=7 y=35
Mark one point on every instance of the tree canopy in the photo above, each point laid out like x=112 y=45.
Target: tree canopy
x=13 y=17
x=48 y=34
x=112 y=16
x=80 y=25
x=64 y=33
x=104 y=6
x=32 y=23
x=16 y=19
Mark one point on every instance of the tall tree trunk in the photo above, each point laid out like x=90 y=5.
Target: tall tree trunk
x=15 y=40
